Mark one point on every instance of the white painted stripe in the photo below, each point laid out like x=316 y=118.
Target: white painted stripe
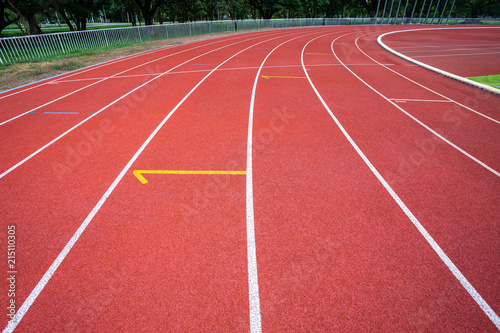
x=426 y=46
x=449 y=50
x=484 y=165
x=62 y=255
x=106 y=78
x=420 y=100
x=442 y=255
x=452 y=55
x=379 y=40
x=437 y=70
x=104 y=108
x=253 y=281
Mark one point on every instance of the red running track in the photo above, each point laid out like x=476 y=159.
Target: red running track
x=365 y=195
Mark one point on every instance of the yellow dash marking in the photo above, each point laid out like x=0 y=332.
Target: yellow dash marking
x=321 y=53
x=139 y=173
x=284 y=77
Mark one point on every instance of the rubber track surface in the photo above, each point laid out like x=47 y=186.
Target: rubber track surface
x=334 y=250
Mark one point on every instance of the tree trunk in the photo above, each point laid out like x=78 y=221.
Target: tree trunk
x=26 y=30
x=66 y=20
x=33 y=24
x=4 y=19
x=83 y=23
x=148 y=17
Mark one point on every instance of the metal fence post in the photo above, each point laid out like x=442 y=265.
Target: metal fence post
x=397 y=13
x=105 y=37
x=390 y=12
x=435 y=11
x=428 y=12
x=376 y=14
x=442 y=12
x=139 y=31
x=421 y=11
x=1 y=57
x=383 y=12
x=60 y=43
x=413 y=11
x=404 y=12
x=451 y=9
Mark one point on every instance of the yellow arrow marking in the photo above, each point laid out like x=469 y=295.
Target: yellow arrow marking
x=139 y=173
x=284 y=77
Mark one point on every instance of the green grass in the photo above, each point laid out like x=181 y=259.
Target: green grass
x=489 y=80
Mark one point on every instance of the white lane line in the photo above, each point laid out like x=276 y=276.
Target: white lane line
x=421 y=85
x=104 y=79
x=442 y=255
x=107 y=106
x=450 y=50
x=253 y=280
x=420 y=100
x=425 y=46
x=62 y=255
x=452 y=55
x=484 y=165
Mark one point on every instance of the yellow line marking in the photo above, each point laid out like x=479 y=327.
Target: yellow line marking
x=139 y=173
x=284 y=77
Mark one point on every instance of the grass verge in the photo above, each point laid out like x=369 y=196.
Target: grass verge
x=489 y=80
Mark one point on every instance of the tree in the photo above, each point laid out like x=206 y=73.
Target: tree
x=478 y=8
x=312 y=8
x=148 y=9
x=235 y=8
x=370 y=6
x=27 y=10
x=266 y=8
x=7 y=16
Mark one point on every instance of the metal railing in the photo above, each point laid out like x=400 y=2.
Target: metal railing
x=40 y=47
